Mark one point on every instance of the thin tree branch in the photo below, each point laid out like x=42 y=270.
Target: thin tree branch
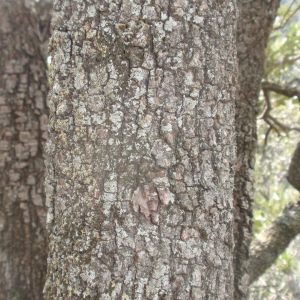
x=280 y=89
x=285 y=18
x=273 y=123
x=274 y=240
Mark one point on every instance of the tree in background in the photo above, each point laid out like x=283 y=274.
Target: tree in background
x=23 y=128
x=254 y=25
x=278 y=134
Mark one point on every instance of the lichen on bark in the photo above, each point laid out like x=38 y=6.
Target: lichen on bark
x=141 y=150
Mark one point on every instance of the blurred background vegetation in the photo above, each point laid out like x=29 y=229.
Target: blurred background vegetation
x=278 y=132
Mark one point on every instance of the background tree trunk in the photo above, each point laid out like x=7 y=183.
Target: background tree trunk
x=141 y=150
x=254 y=25
x=23 y=122
x=275 y=239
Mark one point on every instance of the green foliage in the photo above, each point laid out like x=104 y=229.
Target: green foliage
x=283 y=50
x=285 y=262
x=272 y=191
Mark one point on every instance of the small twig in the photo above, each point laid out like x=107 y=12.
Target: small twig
x=266 y=139
x=283 y=24
x=273 y=123
x=279 y=89
x=264 y=195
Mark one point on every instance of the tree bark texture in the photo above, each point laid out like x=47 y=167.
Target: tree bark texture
x=23 y=127
x=293 y=175
x=140 y=166
x=254 y=25
x=274 y=240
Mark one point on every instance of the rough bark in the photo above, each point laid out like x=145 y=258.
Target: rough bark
x=274 y=240
x=141 y=150
x=254 y=24
x=23 y=119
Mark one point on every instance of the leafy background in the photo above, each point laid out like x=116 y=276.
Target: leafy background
x=274 y=151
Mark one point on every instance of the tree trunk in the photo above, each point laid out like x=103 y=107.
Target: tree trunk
x=23 y=120
x=254 y=25
x=141 y=150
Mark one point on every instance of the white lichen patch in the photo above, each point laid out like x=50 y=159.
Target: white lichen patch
x=79 y=80
x=198 y=20
x=170 y=24
x=91 y=11
x=116 y=118
x=111 y=186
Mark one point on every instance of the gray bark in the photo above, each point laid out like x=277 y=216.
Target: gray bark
x=254 y=25
x=141 y=150
x=23 y=128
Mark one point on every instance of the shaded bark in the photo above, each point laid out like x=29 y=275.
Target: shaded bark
x=274 y=240
x=23 y=122
x=254 y=24
x=141 y=150
x=293 y=175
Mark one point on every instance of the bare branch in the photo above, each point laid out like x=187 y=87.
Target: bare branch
x=274 y=240
x=273 y=123
x=280 y=89
x=286 y=18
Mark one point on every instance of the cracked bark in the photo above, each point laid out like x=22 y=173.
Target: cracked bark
x=141 y=150
x=254 y=24
x=23 y=122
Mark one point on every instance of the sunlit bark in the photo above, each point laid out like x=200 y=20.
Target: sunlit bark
x=142 y=150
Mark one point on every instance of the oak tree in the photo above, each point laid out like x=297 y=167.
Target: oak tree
x=141 y=153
